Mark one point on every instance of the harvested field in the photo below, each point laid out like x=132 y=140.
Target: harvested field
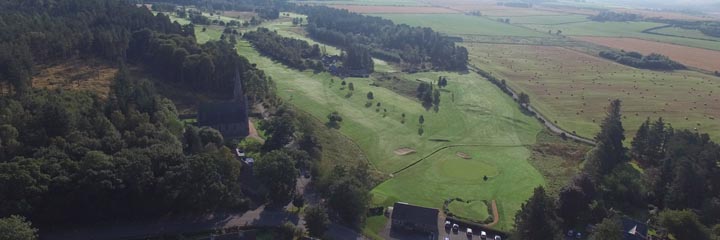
x=694 y=57
x=404 y=151
x=76 y=75
x=393 y=9
x=573 y=88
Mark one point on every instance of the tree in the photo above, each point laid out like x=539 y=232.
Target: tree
x=333 y=119
x=351 y=87
x=683 y=224
x=421 y=119
x=276 y=170
x=16 y=228
x=571 y=204
x=370 y=96
x=523 y=99
x=316 y=221
x=536 y=218
x=349 y=198
x=608 y=229
x=609 y=151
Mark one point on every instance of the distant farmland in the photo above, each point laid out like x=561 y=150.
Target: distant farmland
x=459 y=24
x=393 y=9
x=695 y=57
x=573 y=88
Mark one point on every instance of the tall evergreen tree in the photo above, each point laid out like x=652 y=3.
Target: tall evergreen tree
x=609 y=151
x=536 y=219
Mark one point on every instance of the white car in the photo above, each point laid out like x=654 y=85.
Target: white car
x=469 y=232
x=483 y=235
x=455 y=227
x=497 y=237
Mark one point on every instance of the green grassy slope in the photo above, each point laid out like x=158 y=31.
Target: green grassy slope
x=459 y=24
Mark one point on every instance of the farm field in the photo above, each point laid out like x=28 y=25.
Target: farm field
x=682 y=32
x=458 y=24
x=548 y=19
x=393 y=9
x=695 y=57
x=365 y=2
x=472 y=112
x=572 y=88
x=623 y=29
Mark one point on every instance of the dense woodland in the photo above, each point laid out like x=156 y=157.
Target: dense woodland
x=677 y=186
x=292 y=52
x=652 y=61
x=38 y=32
x=71 y=157
x=419 y=47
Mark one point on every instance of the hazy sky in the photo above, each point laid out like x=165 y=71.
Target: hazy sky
x=679 y=4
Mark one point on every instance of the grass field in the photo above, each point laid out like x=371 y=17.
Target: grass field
x=459 y=24
x=623 y=29
x=573 y=88
x=475 y=209
x=682 y=32
x=548 y=20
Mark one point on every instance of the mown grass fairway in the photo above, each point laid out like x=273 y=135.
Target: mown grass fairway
x=573 y=88
x=459 y=24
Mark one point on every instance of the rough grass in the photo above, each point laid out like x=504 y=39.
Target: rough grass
x=460 y=24
x=548 y=20
x=557 y=160
x=80 y=75
x=573 y=88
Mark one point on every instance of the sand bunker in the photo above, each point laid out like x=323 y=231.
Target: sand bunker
x=404 y=151
x=463 y=155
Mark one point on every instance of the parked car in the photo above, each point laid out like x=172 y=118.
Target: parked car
x=497 y=237
x=469 y=232
x=455 y=227
x=578 y=235
x=483 y=235
x=448 y=225
x=570 y=233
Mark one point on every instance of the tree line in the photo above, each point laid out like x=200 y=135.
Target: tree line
x=610 y=16
x=292 y=52
x=677 y=181
x=634 y=59
x=422 y=48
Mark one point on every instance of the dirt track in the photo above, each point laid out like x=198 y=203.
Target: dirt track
x=495 y=213
x=693 y=57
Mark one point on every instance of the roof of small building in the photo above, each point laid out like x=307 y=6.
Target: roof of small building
x=634 y=230
x=221 y=113
x=415 y=214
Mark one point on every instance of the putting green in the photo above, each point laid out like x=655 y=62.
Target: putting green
x=476 y=209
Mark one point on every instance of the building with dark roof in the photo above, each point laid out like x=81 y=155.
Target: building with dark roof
x=414 y=218
x=228 y=117
x=634 y=230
